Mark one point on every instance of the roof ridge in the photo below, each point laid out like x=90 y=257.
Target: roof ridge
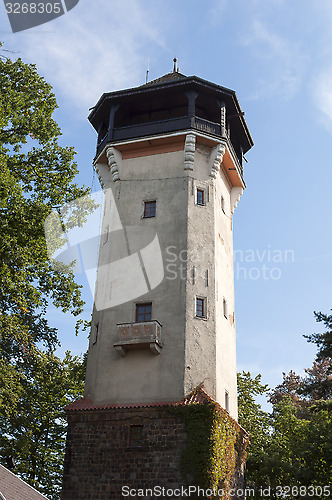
x=22 y=481
x=168 y=77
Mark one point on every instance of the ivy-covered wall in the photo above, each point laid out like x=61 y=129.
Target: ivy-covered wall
x=193 y=443
x=215 y=451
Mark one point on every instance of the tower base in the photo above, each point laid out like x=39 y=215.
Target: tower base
x=161 y=450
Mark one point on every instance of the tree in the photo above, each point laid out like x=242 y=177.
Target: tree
x=251 y=416
x=36 y=174
x=322 y=340
x=255 y=421
x=35 y=434
x=317 y=384
x=291 y=446
x=299 y=449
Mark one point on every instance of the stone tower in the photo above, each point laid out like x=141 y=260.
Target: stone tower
x=170 y=160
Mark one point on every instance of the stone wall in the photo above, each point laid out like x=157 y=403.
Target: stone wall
x=136 y=448
x=100 y=459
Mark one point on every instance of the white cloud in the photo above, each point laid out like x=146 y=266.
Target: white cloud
x=322 y=94
x=90 y=51
x=216 y=11
x=279 y=60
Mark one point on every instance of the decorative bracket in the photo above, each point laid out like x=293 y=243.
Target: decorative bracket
x=189 y=152
x=103 y=174
x=236 y=194
x=114 y=157
x=216 y=157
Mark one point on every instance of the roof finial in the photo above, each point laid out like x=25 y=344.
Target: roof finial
x=147 y=72
x=175 y=68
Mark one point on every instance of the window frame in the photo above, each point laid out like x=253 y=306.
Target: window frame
x=227 y=401
x=203 y=302
x=146 y=213
x=135 y=442
x=225 y=308
x=96 y=333
x=203 y=192
x=137 y=313
x=222 y=203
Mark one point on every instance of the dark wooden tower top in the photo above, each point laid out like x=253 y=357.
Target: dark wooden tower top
x=171 y=104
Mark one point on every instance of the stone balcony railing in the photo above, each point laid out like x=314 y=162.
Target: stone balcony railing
x=146 y=335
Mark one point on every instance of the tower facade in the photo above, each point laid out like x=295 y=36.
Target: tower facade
x=169 y=157
x=170 y=160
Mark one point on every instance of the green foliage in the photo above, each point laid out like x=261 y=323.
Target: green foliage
x=35 y=433
x=251 y=416
x=255 y=421
x=292 y=446
x=215 y=446
x=322 y=340
x=36 y=174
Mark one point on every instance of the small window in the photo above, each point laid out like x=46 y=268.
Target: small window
x=222 y=203
x=105 y=235
x=200 y=197
x=96 y=331
x=143 y=312
x=150 y=209
x=136 y=435
x=227 y=401
x=224 y=307
x=200 y=307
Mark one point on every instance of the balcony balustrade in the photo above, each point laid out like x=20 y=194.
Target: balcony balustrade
x=167 y=126
x=146 y=335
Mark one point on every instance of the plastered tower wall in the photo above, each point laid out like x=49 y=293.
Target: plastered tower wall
x=196 y=243
x=210 y=341
x=179 y=143
x=142 y=376
x=224 y=285
x=170 y=160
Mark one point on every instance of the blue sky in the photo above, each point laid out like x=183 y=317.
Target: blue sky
x=277 y=56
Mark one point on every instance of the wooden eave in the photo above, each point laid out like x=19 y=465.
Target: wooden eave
x=101 y=110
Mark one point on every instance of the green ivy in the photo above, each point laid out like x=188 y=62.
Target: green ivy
x=215 y=447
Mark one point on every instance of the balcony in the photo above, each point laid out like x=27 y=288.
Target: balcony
x=133 y=336
x=168 y=126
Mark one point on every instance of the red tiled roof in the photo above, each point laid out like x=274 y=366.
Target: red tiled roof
x=197 y=396
x=13 y=488
x=86 y=404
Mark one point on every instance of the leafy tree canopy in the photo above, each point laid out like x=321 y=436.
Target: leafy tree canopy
x=292 y=446
x=35 y=433
x=323 y=340
x=36 y=174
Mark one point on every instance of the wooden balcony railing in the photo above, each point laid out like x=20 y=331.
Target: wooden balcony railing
x=167 y=126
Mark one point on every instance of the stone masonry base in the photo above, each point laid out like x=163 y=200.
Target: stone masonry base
x=112 y=452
